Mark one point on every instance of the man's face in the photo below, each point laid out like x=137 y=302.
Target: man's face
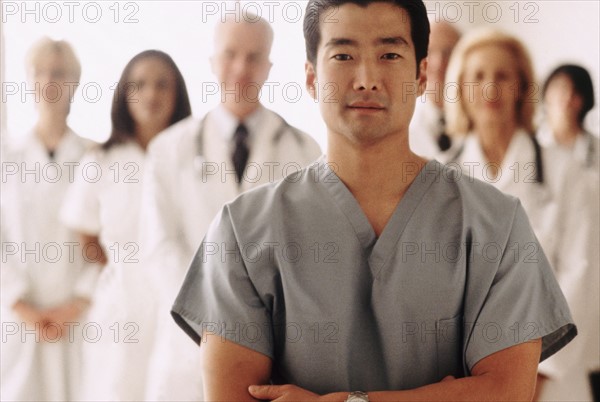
x=241 y=62
x=442 y=40
x=365 y=77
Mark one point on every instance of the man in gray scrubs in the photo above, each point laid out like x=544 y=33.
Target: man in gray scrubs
x=374 y=270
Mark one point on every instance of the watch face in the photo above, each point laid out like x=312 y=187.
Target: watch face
x=358 y=397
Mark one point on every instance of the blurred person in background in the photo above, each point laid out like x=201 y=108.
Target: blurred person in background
x=45 y=285
x=495 y=113
x=150 y=96
x=195 y=167
x=568 y=98
x=428 y=135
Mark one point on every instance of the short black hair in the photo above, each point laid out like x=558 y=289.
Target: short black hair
x=582 y=85
x=419 y=24
x=122 y=122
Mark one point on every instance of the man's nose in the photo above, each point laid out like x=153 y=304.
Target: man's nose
x=367 y=77
x=240 y=66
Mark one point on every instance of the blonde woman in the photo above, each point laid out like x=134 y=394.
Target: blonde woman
x=493 y=109
x=45 y=286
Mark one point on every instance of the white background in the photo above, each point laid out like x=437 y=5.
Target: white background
x=554 y=31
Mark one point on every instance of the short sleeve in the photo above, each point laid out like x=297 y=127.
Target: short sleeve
x=81 y=207
x=217 y=295
x=518 y=302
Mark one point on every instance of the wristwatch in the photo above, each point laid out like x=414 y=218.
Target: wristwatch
x=358 y=396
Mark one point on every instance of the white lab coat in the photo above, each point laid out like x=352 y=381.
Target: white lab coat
x=564 y=215
x=50 y=273
x=585 y=150
x=423 y=132
x=180 y=201
x=115 y=364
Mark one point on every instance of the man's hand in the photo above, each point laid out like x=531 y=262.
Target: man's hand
x=281 y=393
x=289 y=392
x=234 y=372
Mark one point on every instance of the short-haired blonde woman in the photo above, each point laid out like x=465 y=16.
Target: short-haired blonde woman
x=493 y=108
x=45 y=286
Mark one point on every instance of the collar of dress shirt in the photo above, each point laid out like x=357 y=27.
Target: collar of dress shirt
x=227 y=122
x=34 y=142
x=430 y=116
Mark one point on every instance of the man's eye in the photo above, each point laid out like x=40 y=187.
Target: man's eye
x=342 y=57
x=391 y=56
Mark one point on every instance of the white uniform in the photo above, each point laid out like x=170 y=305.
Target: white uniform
x=183 y=191
x=41 y=265
x=585 y=150
x=424 y=130
x=564 y=215
x=105 y=201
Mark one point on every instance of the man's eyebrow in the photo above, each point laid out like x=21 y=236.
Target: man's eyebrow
x=393 y=40
x=340 y=42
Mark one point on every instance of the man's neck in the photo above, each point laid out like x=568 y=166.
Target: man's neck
x=376 y=174
x=242 y=110
x=369 y=167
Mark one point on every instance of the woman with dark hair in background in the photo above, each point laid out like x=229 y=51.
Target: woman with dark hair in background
x=568 y=98
x=495 y=113
x=150 y=96
x=45 y=285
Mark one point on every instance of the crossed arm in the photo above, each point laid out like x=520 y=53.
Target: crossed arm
x=233 y=372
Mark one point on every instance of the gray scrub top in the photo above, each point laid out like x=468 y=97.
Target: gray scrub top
x=294 y=270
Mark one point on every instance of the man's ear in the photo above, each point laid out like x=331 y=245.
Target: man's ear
x=422 y=84
x=311 y=79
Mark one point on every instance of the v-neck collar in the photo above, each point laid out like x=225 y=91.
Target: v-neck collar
x=378 y=250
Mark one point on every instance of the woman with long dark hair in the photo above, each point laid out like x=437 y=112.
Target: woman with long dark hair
x=104 y=209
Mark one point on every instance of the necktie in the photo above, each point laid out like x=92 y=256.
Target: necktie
x=241 y=151
x=444 y=142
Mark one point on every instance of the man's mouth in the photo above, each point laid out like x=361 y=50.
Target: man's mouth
x=366 y=106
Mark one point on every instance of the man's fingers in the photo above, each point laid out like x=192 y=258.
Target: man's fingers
x=265 y=391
